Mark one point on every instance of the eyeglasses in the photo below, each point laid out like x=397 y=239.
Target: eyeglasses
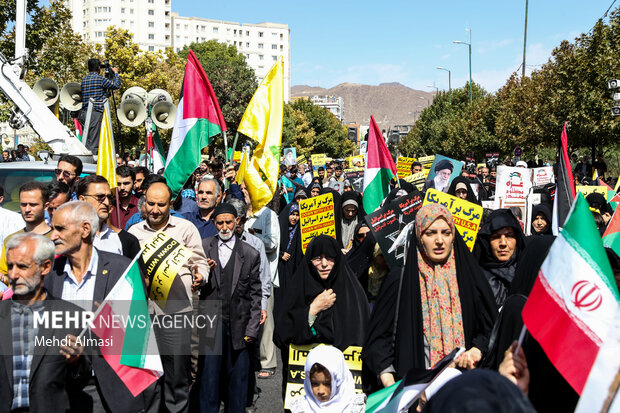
x=102 y=197
x=66 y=174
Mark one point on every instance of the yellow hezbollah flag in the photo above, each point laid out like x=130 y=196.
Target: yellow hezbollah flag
x=106 y=160
x=262 y=121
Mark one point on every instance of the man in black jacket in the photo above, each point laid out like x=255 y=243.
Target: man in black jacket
x=40 y=363
x=85 y=276
x=235 y=284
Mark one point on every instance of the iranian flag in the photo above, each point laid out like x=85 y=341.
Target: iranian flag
x=124 y=323
x=574 y=300
x=198 y=119
x=379 y=170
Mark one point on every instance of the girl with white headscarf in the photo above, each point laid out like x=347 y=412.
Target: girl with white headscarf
x=326 y=367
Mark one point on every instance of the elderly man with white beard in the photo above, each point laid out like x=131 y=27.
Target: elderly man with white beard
x=441 y=181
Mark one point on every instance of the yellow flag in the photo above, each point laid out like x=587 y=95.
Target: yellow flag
x=106 y=161
x=262 y=121
x=242 y=168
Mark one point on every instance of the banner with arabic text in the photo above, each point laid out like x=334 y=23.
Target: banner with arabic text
x=466 y=215
x=316 y=217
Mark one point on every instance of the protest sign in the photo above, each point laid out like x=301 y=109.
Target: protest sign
x=418 y=179
x=466 y=215
x=363 y=147
x=356 y=177
x=587 y=190
x=513 y=186
x=316 y=216
x=297 y=360
x=387 y=222
x=290 y=156
x=542 y=176
x=237 y=156
x=163 y=257
x=403 y=166
x=318 y=160
x=438 y=174
x=355 y=161
x=427 y=161
x=532 y=200
x=301 y=159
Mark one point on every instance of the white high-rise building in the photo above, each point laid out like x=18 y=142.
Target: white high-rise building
x=155 y=27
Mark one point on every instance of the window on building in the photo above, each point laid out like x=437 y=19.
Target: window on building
x=247 y=56
x=202 y=28
x=216 y=29
x=122 y=10
x=281 y=48
x=281 y=36
x=261 y=67
x=151 y=12
x=235 y=32
x=274 y=34
x=151 y=36
x=247 y=32
x=274 y=58
x=151 y=24
x=247 y=44
x=261 y=57
x=123 y=22
x=151 y=1
x=130 y=11
x=177 y=26
x=151 y=48
x=260 y=45
x=186 y=27
x=274 y=47
x=260 y=34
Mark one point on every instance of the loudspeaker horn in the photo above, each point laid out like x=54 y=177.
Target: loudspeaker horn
x=158 y=95
x=131 y=112
x=71 y=96
x=163 y=114
x=47 y=90
x=136 y=92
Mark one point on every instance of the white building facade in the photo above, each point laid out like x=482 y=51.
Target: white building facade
x=335 y=104
x=155 y=27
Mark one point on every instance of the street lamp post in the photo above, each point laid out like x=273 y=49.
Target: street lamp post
x=471 y=95
x=449 y=83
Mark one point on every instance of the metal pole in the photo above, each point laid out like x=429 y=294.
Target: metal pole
x=471 y=94
x=233 y=147
x=226 y=145
x=524 y=42
x=20 y=32
x=450 y=86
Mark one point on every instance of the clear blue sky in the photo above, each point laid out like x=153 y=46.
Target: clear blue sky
x=404 y=41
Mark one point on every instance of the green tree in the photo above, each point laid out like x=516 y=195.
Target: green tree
x=233 y=81
x=319 y=131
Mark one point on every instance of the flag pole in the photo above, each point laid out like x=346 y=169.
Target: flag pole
x=232 y=154
x=225 y=144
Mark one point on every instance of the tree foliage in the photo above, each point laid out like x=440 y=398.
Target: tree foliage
x=313 y=129
x=233 y=81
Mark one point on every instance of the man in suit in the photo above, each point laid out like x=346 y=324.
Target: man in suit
x=37 y=375
x=235 y=283
x=85 y=276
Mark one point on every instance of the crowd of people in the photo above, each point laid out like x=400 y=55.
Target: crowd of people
x=74 y=238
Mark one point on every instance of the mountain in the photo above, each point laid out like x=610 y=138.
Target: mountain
x=390 y=103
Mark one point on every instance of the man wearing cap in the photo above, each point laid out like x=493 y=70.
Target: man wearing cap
x=441 y=181
x=234 y=283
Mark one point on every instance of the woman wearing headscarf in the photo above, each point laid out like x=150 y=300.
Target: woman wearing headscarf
x=328 y=384
x=541 y=220
x=314 y=189
x=351 y=213
x=461 y=188
x=360 y=255
x=438 y=302
x=499 y=243
x=291 y=254
x=325 y=303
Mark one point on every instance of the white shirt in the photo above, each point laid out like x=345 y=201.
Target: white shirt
x=108 y=240
x=81 y=294
x=267 y=228
x=225 y=249
x=10 y=222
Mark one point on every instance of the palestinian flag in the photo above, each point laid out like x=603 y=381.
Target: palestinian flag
x=402 y=394
x=78 y=129
x=132 y=351
x=565 y=187
x=198 y=119
x=575 y=299
x=154 y=149
x=379 y=169
x=611 y=237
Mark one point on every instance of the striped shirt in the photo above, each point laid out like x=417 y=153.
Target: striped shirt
x=95 y=87
x=24 y=332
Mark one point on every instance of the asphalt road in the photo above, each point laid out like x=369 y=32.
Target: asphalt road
x=270 y=395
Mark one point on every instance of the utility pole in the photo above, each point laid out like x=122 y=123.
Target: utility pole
x=524 y=43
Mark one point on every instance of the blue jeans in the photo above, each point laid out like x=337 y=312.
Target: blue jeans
x=231 y=368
